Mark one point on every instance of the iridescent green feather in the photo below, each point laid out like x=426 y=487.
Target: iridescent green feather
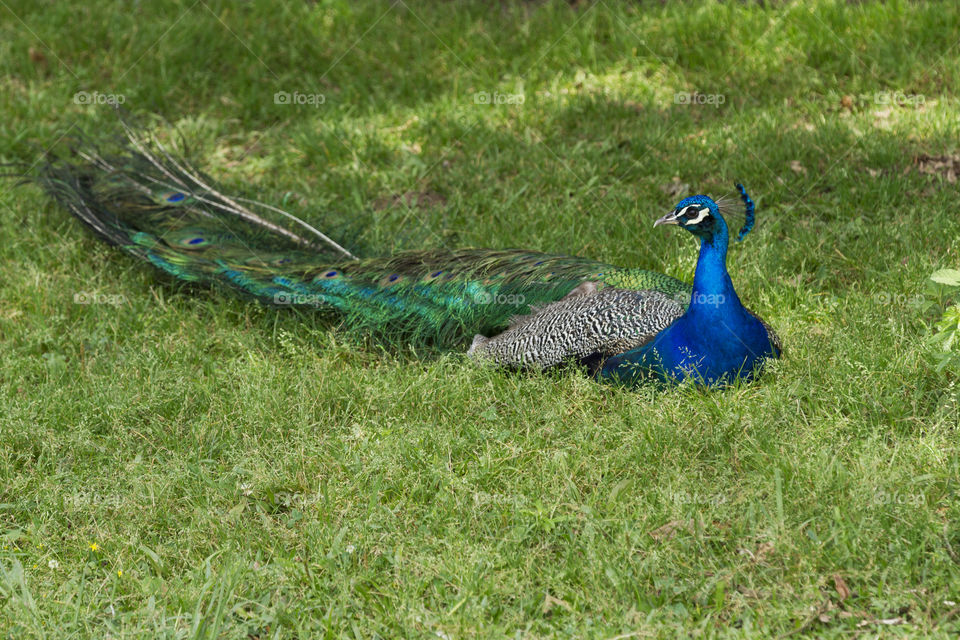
x=155 y=206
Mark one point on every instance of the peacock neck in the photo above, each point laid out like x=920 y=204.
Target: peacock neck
x=713 y=291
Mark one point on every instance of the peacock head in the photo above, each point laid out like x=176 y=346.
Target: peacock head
x=701 y=215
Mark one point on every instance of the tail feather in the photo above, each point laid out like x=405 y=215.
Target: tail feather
x=156 y=206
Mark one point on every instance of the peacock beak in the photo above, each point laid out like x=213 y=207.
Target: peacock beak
x=670 y=218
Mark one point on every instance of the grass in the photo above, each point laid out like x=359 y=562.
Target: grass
x=179 y=464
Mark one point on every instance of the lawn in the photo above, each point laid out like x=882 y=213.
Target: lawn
x=177 y=463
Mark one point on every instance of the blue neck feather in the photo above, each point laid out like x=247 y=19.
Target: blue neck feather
x=716 y=341
x=713 y=291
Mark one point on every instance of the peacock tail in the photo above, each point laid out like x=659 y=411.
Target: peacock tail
x=153 y=204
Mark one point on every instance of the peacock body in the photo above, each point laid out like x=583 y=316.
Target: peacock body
x=540 y=310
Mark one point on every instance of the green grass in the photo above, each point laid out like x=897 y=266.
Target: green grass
x=245 y=473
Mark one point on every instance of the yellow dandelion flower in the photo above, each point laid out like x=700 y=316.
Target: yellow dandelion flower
x=94 y=546
x=120 y=573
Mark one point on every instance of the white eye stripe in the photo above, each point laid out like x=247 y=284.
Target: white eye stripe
x=703 y=214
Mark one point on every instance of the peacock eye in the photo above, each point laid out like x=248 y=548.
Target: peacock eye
x=691 y=213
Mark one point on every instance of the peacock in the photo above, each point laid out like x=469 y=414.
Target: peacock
x=515 y=309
